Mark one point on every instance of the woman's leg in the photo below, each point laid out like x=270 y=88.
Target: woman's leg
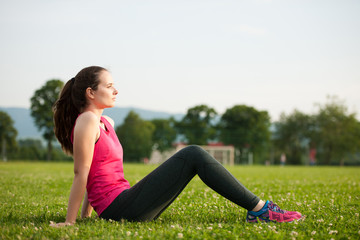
x=147 y=199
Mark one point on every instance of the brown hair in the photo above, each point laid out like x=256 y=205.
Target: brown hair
x=71 y=102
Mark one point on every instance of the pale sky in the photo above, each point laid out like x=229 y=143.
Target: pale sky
x=274 y=55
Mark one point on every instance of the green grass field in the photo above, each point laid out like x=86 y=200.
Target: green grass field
x=33 y=194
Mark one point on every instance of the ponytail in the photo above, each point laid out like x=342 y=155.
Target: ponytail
x=65 y=114
x=71 y=103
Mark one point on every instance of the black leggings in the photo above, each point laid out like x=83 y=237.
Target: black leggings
x=147 y=199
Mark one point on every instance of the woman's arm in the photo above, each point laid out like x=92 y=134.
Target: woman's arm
x=76 y=195
x=85 y=135
x=86 y=209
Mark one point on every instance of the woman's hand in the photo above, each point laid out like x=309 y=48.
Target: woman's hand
x=59 y=225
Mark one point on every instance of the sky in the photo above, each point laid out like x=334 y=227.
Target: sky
x=165 y=55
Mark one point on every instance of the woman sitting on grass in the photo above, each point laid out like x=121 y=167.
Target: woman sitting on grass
x=98 y=163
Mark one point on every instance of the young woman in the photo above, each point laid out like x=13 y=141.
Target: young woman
x=98 y=163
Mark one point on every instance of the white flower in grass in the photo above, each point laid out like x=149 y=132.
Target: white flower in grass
x=293 y=233
x=198 y=228
x=180 y=235
x=357 y=214
x=274 y=229
x=333 y=232
x=210 y=228
x=128 y=233
x=172 y=226
x=313 y=232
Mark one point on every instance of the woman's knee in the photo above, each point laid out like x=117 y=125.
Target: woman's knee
x=193 y=149
x=193 y=153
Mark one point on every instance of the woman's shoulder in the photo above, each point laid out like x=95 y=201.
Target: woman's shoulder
x=87 y=119
x=86 y=129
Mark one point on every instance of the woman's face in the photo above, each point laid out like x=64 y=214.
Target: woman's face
x=105 y=95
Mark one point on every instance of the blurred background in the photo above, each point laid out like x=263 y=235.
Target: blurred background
x=290 y=68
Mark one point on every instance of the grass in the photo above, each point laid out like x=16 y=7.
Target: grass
x=33 y=194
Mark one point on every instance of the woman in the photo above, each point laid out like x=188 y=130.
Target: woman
x=98 y=163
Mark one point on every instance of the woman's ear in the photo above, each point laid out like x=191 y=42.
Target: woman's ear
x=89 y=93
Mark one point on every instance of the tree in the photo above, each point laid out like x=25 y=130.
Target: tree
x=41 y=110
x=245 y=128
x=164 y=134
x=197 y=125
x=337 y=131
x=135 y=135
x=8 y=134
x=29 y=149
x=292 y=135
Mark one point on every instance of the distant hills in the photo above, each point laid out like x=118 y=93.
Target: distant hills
x=24 y=123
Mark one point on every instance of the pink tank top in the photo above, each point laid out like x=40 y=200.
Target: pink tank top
x=106 y=177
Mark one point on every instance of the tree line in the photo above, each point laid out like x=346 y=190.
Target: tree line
x=332 y=134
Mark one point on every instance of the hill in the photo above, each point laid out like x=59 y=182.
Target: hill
x=24 y=123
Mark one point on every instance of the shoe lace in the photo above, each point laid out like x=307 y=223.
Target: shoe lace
x=274 y=207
